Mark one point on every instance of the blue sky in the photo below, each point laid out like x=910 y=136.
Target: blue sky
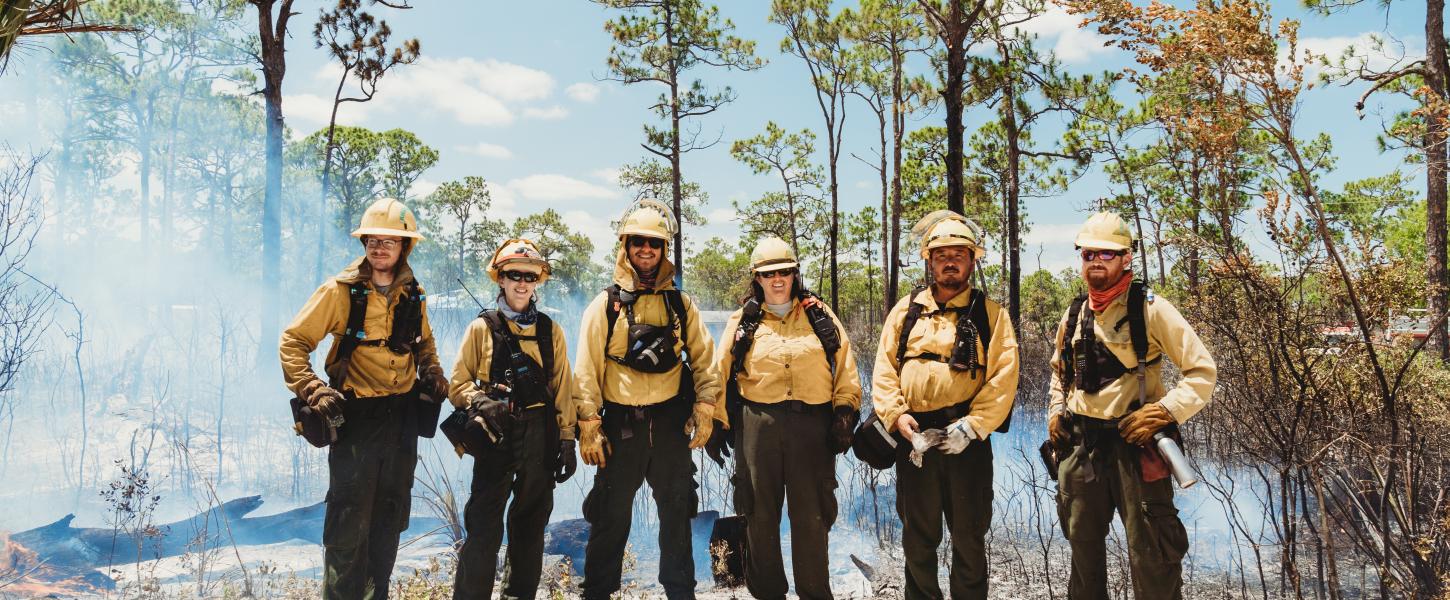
x=515 y=92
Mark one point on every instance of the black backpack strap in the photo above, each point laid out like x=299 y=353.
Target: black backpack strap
x=357 y=310
x=1069 y=368
x=611 y=314
x=544 y=336
x=675 y=301
x=825 y=329
x=503 y=341
x=744 y=336
x=978 y=314
x=407 y=330
x=913 y=314
x=1138 y=320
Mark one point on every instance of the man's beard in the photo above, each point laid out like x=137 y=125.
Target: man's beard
x=1099 y=280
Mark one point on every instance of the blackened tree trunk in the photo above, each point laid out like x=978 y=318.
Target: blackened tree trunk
x=273 y=44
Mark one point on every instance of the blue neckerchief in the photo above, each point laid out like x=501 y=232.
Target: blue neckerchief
x=526 y=318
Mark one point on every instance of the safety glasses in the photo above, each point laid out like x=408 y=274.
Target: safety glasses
x=524 y=276
x=1102 y=255
x=640 y=242
x=776 y=273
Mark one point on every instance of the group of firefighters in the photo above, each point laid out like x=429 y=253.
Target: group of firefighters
x=781 y=395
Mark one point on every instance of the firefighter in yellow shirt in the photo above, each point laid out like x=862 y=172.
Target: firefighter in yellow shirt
x=646 y=389
x=382 y=345
x=947 y=362
x=1107 y=403
x=515 y=346
x=792 y=401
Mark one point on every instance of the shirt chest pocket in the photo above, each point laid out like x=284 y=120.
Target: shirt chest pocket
x=378 y=324
x=935 y=335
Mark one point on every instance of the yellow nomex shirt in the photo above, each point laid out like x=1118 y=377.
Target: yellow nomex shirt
x=598 y=379
x=374 y=370
x=926 y=385
x=1169 y=334
x=787 y=362
x=475 y=362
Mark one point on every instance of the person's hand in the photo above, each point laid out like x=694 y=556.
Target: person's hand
x=1139 y=426
x=495 y=413
x=593 y=447
x=700 y=425
x=906 y=424
x=959 y=435
x=568 y=461
x=323 y=400
x=718 y=448
x=437 y=385
x=843 y=428
x=1059 y=430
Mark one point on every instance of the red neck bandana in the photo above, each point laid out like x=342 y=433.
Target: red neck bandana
x=1099 y=300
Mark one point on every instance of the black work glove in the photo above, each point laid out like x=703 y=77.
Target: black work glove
x=437 y=386
x=568 y=461
x=718 y=447
x=495 y=413
x=843 y=428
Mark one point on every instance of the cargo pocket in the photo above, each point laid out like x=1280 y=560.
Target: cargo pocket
x=829 y=506
x=592 y=502
x=1165 y=530
x=744 y=495
x=337 y=513
x=1064 y=512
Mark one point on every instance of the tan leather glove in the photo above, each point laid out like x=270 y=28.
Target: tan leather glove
x=701 y=424
x=1059 y=430
x=593 y=448
x=326 y=401
x=1139 y=426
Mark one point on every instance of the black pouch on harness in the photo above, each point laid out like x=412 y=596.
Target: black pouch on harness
x=651 y=348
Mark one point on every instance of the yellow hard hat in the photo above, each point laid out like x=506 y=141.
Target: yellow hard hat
x=388 y=217
x=772 y=254
x=648 y=218
x=944 y=228
x=1105 y=231
x=518 y=254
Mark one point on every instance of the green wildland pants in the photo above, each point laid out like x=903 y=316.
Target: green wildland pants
x=1103 y=474
x=369 y=496
x=649 y=444
x=959 y=487
x=522 y=464
x=783 y=453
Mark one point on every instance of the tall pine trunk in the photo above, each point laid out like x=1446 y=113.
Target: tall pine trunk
x=1436 y=70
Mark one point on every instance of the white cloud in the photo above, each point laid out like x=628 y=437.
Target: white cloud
x=556 y=187
x=1075 y=44
x=610 y=175
x=1053 y=241
x=551 y=113
x=583 y=92
x=422 y=187
x=485 y=92
x=596 y=229
x=487 y=150
x=721 y=215
x=314 y=111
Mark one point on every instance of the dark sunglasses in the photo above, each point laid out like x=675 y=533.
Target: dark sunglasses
x=640 y=242
x=776 y=273
x=1103 y=255
x=521 y=276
